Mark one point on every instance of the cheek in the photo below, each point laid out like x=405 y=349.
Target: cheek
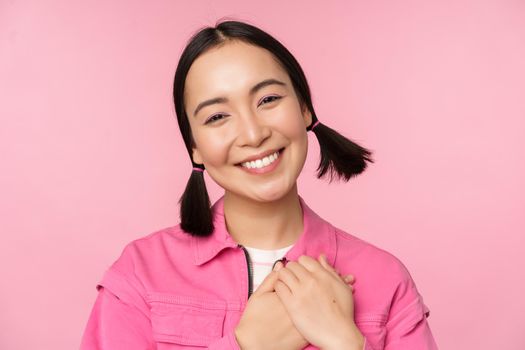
x=214 y=150
x=290 y=124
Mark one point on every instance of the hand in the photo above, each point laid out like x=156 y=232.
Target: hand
x=353 y=335
x=265 y=323
x=318 y=301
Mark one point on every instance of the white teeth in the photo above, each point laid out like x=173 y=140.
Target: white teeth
x=260 y=163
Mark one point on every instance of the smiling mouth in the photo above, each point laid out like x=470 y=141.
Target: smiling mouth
x=280 y=151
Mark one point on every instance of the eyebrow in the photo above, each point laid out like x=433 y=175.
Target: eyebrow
x=253 y=90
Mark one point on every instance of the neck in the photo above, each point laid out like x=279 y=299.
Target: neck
x=264 y=225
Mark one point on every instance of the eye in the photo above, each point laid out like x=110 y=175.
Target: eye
x=217 y=117
x=269 y=97
x=213 y=118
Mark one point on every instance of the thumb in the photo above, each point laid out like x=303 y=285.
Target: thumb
x=267 y=285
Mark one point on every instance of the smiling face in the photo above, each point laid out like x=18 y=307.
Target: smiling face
x=247 y=121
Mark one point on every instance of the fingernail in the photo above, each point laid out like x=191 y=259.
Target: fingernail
x=277 y=266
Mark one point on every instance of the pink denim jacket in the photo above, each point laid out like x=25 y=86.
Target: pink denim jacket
x=169 y=290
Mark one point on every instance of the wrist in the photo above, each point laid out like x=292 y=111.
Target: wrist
x=351 y=339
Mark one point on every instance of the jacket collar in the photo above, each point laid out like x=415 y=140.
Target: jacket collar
x=318 y=237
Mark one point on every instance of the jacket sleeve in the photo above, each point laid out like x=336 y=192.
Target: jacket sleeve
x=115 y=324
x=407 y=325
x=121 y=317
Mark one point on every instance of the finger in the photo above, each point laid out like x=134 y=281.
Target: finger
x=349 y=278
x=327 y=265
x=267 y=285
x=300 y=272
x=284 y=293
x=287 y=276
x=345 y=278
x=309 y=264
x=324 y=263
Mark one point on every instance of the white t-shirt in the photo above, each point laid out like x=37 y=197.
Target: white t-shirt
x=262 y=261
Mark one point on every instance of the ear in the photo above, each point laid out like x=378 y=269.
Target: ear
x=196 y=156
x=307 y=115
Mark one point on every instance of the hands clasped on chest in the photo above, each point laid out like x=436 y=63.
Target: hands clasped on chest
x=310 y=303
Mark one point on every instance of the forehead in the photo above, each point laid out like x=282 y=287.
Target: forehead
x=229 y=69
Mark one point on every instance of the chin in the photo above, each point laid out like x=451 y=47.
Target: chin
x=263 y=192
x=271 y=195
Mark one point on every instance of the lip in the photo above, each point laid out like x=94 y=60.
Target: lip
x=260 y=155
x=266 y=169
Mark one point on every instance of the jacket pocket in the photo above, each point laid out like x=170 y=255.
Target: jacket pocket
x=186 y=320
x=373 y=327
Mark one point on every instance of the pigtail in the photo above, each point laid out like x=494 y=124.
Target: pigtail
x=195 y=211
x=342 y=157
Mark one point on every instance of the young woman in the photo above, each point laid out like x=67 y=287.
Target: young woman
x=259 y=269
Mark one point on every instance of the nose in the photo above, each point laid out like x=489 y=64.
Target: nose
x=252 y=131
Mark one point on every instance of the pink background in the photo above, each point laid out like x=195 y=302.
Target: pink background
x=92 y=157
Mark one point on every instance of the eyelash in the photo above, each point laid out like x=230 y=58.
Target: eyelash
x=211 y=120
